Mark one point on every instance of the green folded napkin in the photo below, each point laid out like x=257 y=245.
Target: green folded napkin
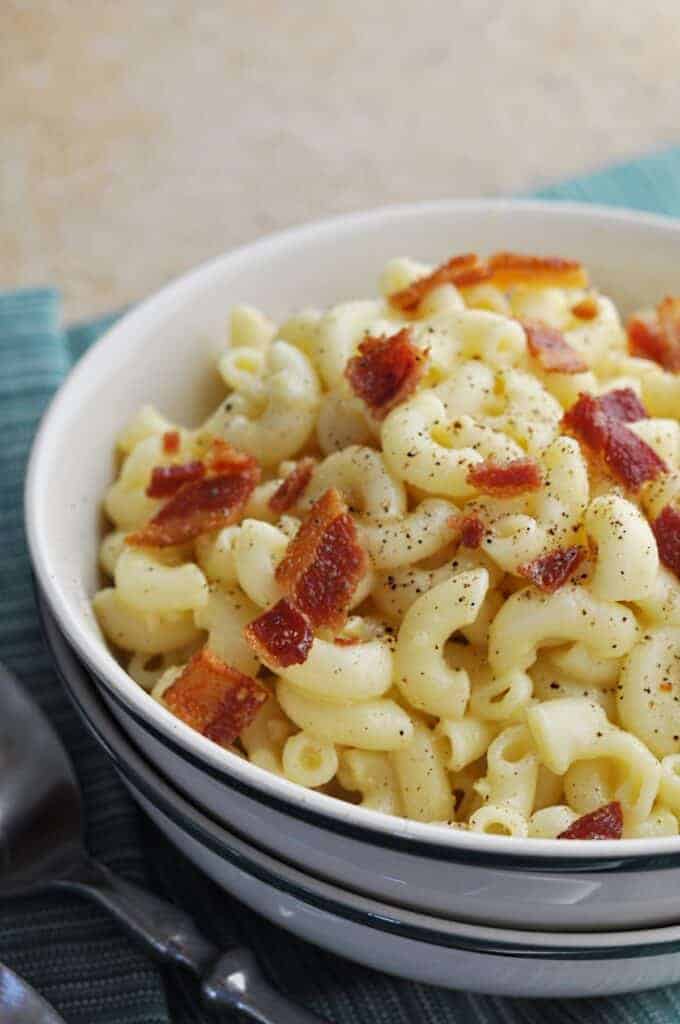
x=68 y=949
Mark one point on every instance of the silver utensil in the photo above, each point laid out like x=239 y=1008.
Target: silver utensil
x=41 y=846
x=21 y=1004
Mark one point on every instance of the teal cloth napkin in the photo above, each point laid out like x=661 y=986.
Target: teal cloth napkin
x=68 y=949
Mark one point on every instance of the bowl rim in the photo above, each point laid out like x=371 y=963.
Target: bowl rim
x=327 y=896
x=318 y=808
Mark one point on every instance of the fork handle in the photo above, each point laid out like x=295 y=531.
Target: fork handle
x=168 y=933
x=228 y=980
x=237 y=982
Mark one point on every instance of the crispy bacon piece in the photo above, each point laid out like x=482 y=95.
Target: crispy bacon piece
x=604 y=823
x=600 y=423
x=622 y=404
x=323 y=563
x=511 y=268
x=668 y=312
x=167 y=480
x=551 y=571
x=223 y=458
x=471 y=276
x=386 y=371
x=586 y=309
x=281 y=636
x=666 y=529
x=472 y=531
x=462 y=271
x=631 y=460
x=645 y=338
x=588 y=421
x=503 y=269
x=318 y=575
x=214 y=698
x=551 y=349
x=302 y=548
x=505 y=479
x=210 y=503
x=657 y=336
x=288 y=492
x=171 y=442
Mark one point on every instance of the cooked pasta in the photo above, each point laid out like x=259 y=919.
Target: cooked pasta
x=425 y=555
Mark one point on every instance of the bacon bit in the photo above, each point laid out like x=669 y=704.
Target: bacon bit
x=604 y=823
x=551 y=571
x=471 y=277
x=588 y=421
x=346 y=641
x=586 y=309
x=171 y=442
x=630 y=458
x=666 y=686
x=386 y=371
x=657 y=336
x=551 y=349
x=205 y=500
x=281 y=636
x=302 y=548
x=600 y=424
x=503 y=269
x=222 y=458
x=214 y=698
x=324 y=563
x=287 y=493
x=666 y=529
x=207 y=504
x=623 y=405
x=319 y=573
x=645 y=339
x=462 y=270
x=511 y=268
x=668 y=312
x=167 y=480
x=505 y=480
x=472 y=531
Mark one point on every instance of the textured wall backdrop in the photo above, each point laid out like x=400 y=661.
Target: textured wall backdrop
x=139 y=138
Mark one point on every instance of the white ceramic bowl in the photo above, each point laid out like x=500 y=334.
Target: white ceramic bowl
x=164 y=352
x=412 y=945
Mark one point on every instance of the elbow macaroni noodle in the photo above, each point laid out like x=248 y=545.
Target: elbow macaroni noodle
x=458 y=693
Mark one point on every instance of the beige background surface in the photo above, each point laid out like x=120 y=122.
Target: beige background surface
x=138 y=138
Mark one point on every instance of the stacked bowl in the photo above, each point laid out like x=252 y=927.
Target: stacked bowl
x=480 y=912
